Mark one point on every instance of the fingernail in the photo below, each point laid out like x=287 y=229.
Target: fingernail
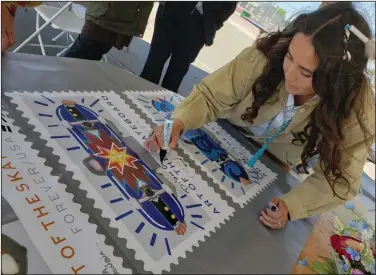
x=261 y=218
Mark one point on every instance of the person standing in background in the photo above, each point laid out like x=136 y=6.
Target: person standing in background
x=181 y=30
x=109 y=24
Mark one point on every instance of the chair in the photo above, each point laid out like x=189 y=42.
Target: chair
x=59 y=18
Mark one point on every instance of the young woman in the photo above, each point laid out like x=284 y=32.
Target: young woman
x=302 y=91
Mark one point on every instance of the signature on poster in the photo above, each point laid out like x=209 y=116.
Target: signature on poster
x=108 y=268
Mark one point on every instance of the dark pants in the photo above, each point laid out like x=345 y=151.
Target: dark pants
x=179 y=34
x=85 y=48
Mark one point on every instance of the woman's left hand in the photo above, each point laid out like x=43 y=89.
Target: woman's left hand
x=278 y=219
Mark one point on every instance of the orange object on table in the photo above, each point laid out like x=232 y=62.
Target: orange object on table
x=318 y=244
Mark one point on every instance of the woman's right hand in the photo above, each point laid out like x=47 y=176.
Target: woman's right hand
x=156 y=141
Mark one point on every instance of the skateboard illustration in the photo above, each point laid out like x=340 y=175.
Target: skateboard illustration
x=220 y=157
x=162 y=105
x=109 y=155
x=210 y=147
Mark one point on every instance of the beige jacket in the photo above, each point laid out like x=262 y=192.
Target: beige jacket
x=226 y=94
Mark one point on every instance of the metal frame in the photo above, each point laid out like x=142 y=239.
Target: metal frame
x=39 y=29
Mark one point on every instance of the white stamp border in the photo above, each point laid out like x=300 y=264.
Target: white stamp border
x=100 y=238
x=123 y=232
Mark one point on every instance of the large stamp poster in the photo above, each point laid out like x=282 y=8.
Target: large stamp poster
x=161 y=211
x=43 y=230
x=212 y=148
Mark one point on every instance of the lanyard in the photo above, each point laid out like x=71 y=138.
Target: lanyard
x=268 y=140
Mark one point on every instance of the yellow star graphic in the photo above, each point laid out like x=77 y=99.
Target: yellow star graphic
x=118 y=157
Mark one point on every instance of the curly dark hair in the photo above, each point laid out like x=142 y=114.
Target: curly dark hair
x=340 y=93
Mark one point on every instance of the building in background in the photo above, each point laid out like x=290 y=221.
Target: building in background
x=267 y=15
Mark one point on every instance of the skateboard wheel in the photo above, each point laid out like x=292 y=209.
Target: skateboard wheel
x=148 y=192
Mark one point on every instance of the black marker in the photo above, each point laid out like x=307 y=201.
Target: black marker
x=166 y=137
x=162 y=154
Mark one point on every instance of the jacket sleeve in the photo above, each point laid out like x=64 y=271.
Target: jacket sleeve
x=314 y=195
x=221 y=91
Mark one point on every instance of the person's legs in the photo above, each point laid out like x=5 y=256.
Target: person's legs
x=190 y=42
x=161 y=45
x=85 y=48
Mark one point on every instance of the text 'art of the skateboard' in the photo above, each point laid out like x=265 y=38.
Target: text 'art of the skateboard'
x=221 y=156
x=43 y=230
x=161 y=211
